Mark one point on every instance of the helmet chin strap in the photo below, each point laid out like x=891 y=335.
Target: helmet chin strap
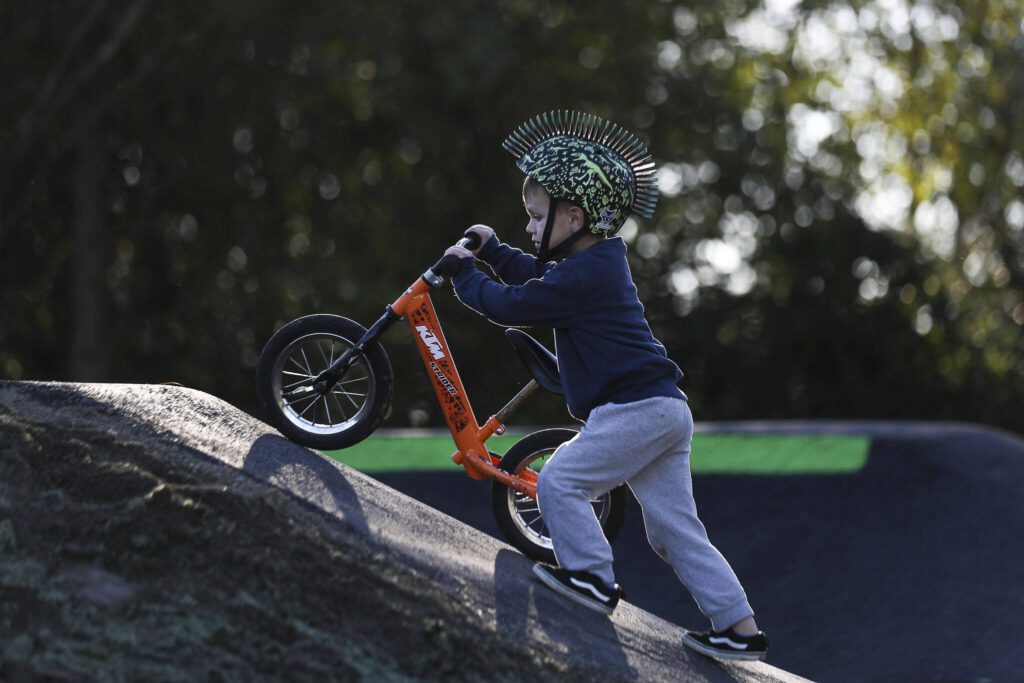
x=562 y=250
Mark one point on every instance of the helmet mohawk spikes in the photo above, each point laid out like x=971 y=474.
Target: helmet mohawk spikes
x=589 y=128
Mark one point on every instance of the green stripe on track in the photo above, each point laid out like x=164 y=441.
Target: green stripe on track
x=712 y=454
x=778 y=455
x=409 y=453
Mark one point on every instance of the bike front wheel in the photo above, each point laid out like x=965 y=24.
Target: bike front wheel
x=519 y=516
x=345 y=414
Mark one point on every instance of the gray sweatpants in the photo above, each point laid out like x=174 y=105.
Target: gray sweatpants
x=647 y=445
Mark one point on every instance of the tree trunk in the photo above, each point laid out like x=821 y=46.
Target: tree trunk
x=88 y=343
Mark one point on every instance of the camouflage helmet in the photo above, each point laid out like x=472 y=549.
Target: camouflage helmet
x=594 y=163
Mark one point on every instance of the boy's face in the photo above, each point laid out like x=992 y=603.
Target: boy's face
x=568 y=218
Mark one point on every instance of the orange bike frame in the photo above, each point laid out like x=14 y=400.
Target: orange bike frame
x=417 y=308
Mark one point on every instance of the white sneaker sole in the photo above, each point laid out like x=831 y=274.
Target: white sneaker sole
x=556 y=585
x=713 y=652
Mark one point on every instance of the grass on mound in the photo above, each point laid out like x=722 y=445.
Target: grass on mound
x=712 y=454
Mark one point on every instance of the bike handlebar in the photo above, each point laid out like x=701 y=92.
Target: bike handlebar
x=449 y=265
x=471 y=240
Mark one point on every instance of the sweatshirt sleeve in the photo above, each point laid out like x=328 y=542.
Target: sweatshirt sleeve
x=551 y=300
x=511 y=265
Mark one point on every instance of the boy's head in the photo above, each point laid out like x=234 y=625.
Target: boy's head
x=567 y=219
x=599 y=168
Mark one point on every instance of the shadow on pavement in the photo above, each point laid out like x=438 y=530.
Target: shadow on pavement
x=280 y=462
x=572 y=626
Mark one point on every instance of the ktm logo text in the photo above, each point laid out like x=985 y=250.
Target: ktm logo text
x=431 y=341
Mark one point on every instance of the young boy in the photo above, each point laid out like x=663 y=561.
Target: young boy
x=584 y=176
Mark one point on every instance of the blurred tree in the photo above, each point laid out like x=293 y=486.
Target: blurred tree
x=897 y=106
x=840 y=232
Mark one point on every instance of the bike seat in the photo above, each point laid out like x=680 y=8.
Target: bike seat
x=541 y=363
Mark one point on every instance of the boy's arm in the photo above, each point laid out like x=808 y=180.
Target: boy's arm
x=551 y=300
x=512 y=266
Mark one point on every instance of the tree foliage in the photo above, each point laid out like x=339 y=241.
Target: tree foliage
x=841 y=232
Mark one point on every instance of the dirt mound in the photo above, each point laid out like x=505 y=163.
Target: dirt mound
x=156 y=532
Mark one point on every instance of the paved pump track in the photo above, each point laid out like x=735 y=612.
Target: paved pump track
x=906 y=564
x=157 y=533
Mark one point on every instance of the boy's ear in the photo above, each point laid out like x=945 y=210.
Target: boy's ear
x=576 y=217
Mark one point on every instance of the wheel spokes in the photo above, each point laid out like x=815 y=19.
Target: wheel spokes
x=341 y=409
x=305 y=360
x=299 y=366
x=327 y=409
x=306 y=409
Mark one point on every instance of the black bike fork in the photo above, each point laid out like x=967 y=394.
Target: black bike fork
x=326 y=380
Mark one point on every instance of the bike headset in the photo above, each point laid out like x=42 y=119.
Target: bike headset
x=593 y=163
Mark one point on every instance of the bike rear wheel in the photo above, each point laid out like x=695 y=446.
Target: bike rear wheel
x=519 y=517
x=340 y=417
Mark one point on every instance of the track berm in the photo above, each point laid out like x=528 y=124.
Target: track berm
x=152 y=532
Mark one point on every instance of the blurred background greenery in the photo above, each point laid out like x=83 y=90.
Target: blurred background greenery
x=840 y=234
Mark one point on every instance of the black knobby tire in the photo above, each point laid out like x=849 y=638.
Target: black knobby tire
x=347 y=414
x=519 y=517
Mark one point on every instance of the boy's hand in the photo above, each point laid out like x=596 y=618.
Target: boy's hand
x=483 y=232
x=459 y=252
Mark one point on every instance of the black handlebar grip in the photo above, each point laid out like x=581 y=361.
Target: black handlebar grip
x=471 y=240
x=450 y=264
x=447 y=266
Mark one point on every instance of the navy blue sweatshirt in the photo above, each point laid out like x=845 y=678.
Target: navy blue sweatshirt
x=606 y=351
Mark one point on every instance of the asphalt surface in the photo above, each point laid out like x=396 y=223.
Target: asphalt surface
x=484 y=586
x=910 y=570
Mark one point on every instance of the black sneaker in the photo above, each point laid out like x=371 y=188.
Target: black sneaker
x=581 y=587
x=728 y=644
